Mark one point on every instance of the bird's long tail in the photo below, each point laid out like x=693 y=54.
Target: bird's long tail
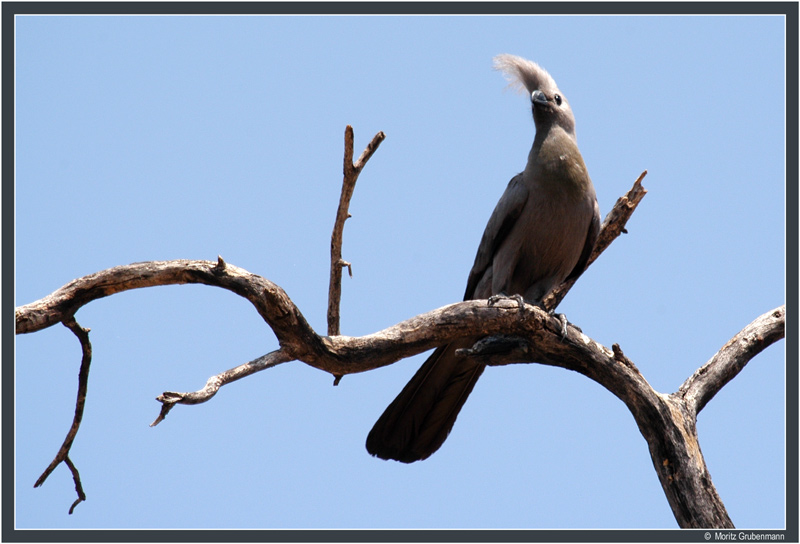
x=418 y=421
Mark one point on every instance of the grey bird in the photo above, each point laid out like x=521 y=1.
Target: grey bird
x=540 y=234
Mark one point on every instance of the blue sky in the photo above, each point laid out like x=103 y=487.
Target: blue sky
x=149 y=138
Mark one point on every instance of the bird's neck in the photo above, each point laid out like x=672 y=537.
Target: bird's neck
x=555 y=160
x=553 y=139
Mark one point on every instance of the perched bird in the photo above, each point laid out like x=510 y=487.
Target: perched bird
x=541 y=233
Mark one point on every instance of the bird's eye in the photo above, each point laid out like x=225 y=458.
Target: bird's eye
x=557 y=98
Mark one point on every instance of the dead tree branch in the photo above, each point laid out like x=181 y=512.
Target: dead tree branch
x=706 y=382
x=80 y=402
x=168 y=399
x=273 y=304
x=512 y=334
x=351 y=172
x=337 y=354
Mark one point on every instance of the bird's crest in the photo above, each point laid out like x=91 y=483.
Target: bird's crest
x=524 y=75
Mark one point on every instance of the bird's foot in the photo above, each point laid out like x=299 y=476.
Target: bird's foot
x=495 y=299
x=563 y=320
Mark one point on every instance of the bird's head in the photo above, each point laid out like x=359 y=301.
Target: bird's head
x=549 y=105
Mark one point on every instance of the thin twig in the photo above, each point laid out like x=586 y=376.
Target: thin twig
x=76 y=477
x=371 y=148
x=351 y=172
x=83 y=382
x=168 y=399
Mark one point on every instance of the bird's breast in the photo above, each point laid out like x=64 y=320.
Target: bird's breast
x=548 y=239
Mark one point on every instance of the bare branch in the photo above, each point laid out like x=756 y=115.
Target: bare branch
x=80 y=402
x=338 y=355
x=371 y=148
x=666 y=421
x=513 y=334
x=169 y=399
x=706 y=382
x=351 y=172
x=76 y=477
x=613 y=226
x=293 y=331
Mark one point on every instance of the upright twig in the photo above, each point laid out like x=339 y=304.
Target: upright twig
x=351 y=172
x=83 y=383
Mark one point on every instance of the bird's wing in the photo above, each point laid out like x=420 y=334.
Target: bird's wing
x=503 y=218
x=588 y=246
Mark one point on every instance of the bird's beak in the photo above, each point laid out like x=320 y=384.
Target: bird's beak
x=538 y=97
